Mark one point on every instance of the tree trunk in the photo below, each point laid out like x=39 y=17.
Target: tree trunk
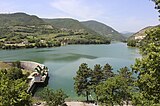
x=112 y=101
x=127 y=102
x=87 y=96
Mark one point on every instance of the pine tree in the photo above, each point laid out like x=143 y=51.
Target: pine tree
x=83 y=80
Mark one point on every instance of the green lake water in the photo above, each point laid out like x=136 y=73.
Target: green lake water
x=63 y=62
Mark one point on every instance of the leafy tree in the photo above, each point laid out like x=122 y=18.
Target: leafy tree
x=117 y=89
x=151 y=42
x=53 y=97
x=148 y=67
x=108 y=92
x=14 y=73
x=149 y=76
x=107 y=71
x=139 y=100
x=13 y=92
x=129 y=80
x=132 y=43
x=83 y=80
x=96 y=77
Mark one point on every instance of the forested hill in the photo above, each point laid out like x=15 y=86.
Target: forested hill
x=104 y=30
x=69 y=24
x=19 y=19
x=22 y=30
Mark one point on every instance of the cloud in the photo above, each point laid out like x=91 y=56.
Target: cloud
x=79 y=8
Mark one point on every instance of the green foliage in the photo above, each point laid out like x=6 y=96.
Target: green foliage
x=108 y=92
x=131 y=43
x=19 y=19
x=87 y=79
x=66 y=24
x=149 y=76
x=96 y=75
x=151 y=43
x=107 y=71
x=139 y=100
x=148 y=69
x=20 y=30
x=82 y=80
x=13 y=92
x=117 y=89
x=13 y=73
x=53 y=97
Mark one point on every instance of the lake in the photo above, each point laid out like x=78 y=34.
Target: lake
x=63 y=62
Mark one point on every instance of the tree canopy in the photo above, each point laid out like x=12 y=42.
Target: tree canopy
x=109 y=88
x=53 y=97
x=13 y=91
x=117 y=89
x=148 y=68
x=82 y=80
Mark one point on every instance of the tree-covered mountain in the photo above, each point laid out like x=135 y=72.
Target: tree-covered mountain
x=69 y=24
x=23 y=30
x=104 y=30
x=19 y=19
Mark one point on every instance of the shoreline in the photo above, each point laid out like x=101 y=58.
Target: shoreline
x=19 y=47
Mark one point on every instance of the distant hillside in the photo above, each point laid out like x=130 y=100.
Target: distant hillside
x=104 y=30
x=140 y=34
x=137 y=37
x=18 y=26
x=19 y=19
x=69 y=24
x=22 y=30
x=127 y=34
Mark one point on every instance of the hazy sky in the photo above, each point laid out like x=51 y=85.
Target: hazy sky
x=122 y=15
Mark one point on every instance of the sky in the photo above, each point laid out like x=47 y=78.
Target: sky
x=122 y=15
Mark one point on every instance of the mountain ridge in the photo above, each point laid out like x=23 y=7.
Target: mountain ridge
x=19 y=30
x=104 y=30
x=19 y=19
